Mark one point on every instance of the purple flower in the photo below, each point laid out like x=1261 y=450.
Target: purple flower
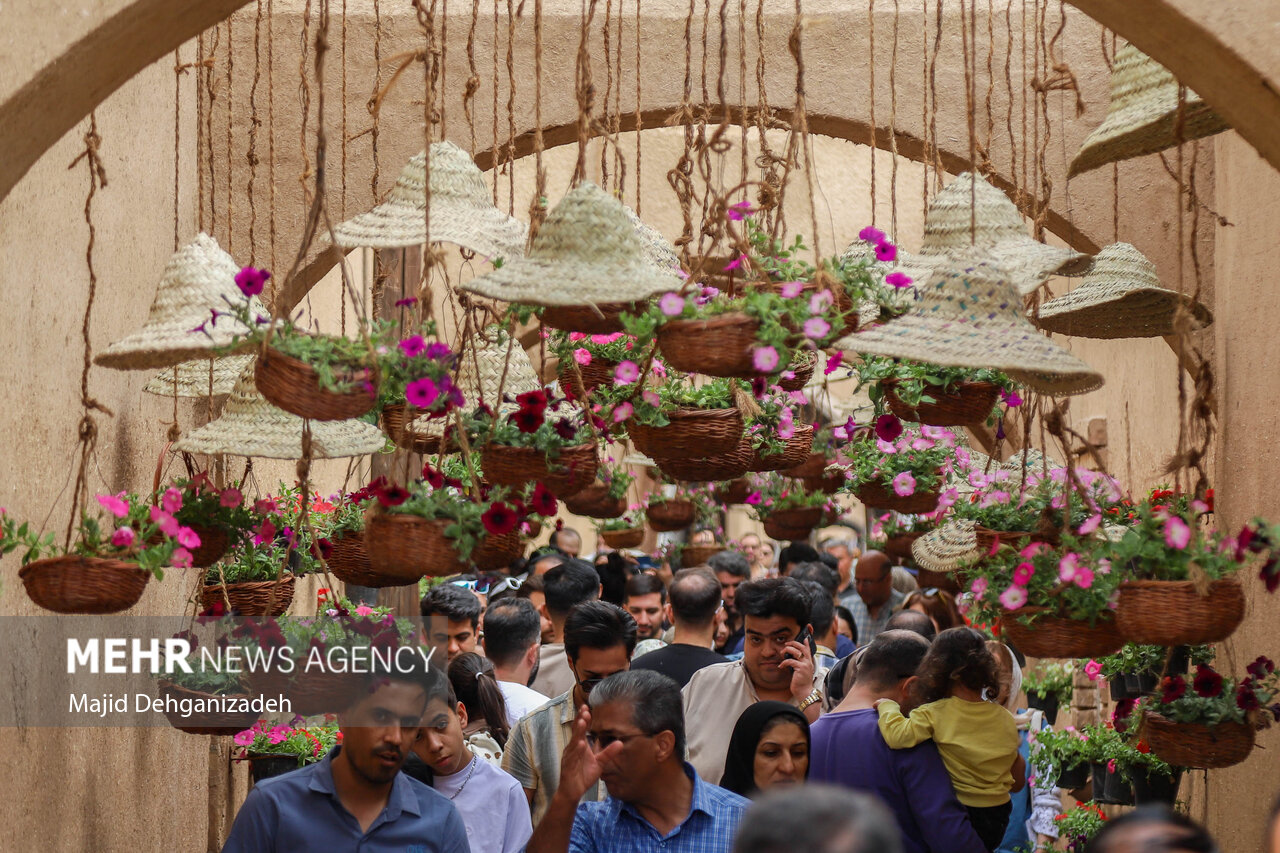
x=1011 y=399
x=437 y=351
x=886 y=251
x=754 y=498
x=871 y=234
x=816 y=328
x=626 y=373
x=413 y=346
x=422 y=393
x=764 y=359
x=738 y=212
x=898 y=280
x=833 y=363
x=671 y=304
x=735 y=263
x=904 y=485
x=407 y=302
x=251 y=281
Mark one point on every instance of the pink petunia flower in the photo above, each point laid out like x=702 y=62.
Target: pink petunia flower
x=904 y=484
x=181 y=558
x=899 y=280
x=1068 y=566
x=791 y=289
x=245 y=737
x=871 y=234
x=123 y=537
x=230 y=497
x=738 y=212
x=421 y=393
x=1090 y=524
x=167 y=523
x=188 y=538
x=626 y=373
x=948 y=497
x=651 y=397
x=833 y=364
x=1084 y=577
x=171 y=500
x=735 y=263
x=764 y=359
x=1022 y=573
x=277 y=734
x=978 y=587
x=364 y=610
x=816 y=328
x=582 y=356
x=754 y=499
x=413 y=346
x=820 y=301
x=1093 y=670
x=671 y=304
x=1176 y=533
x=622 y=411
x=115 y=504
x=1013 y=598
x=886 y=251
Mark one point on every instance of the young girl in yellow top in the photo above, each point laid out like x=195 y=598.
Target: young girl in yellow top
x=978 y=740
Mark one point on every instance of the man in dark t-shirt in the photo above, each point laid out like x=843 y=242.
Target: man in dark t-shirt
x=692 y=603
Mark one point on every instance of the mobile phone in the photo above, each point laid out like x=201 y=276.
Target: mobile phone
x=806 y=636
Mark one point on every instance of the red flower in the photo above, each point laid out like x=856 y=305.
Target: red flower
x=434 y=478
x=1144 y=747
x=533 y=400
x=1246 y=698
x=1261 y=668
x=1208 y=499
x=1172 y=689
x=499 y=519
x=888 y=427
x=528 y=420
x=543 y=502
x=324 y=547
x=565 y=429
x=393 y=495
x=1124 y=708
x=1270 y=574
x=1207 y=683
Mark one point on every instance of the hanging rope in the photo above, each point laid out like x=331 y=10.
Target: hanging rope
x=210 y=100
x=509 y=159
x=871 y=87
x=538 y=205
x=473 y=76
x=251 y=156
x=271 y=147
x=585 y=91
x=800 y=121
x=606 y=114
x=893 y=128
x=639 y=112
x=230 y=112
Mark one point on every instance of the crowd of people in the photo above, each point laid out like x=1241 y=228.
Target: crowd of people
x=801 y=698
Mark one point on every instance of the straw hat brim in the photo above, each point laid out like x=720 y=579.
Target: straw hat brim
x=166 y=345
x=945 y=547
x=1143 y=312
x=278 y=435
x=1145 y=129
x=193 y=377
x=544 y=281
x=1028 y=263
x=395 y=225
x=1026 y=355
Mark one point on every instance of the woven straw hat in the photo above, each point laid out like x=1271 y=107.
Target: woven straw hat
x=970 y=315
x=250 y=426
x=946 y=546
x=971 y=215
x=586 y=253
x=199 y=277
x=656 y=249
x=1121 y=297
x=193 y=377
x=480 y=374
x=462 y=211
x=1143 y=114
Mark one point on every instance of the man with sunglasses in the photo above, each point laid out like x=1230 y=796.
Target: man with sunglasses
x=599 y=638
x=633 y=739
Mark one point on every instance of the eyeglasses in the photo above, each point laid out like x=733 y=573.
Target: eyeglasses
x=480 y=587
x=589 y=685
x=599 y=742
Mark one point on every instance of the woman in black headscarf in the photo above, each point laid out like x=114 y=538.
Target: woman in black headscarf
x=770 y=746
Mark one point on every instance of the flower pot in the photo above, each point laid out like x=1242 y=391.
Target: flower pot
x=619 y=539
x=802 y=365
x=497 y=552
x=395 y=420
x=603 y=319
x=1151 y=787
x=1073 y=777
x=794 y=452
x=986 y=538
x=1056 y=637
x=697 y=555
x=1172 y=613
x=945 y=581
x=251 y=599
x=208 y=723
x=214 y=542
x=814 y=466
x=672 y=514
x=970 y=403
x=571 y=472
x=349 y=562
x=732 y=491
x=691 y=433
x=1109 y=788
x=264 y=766
x=594 y=502
x=598 y=372
x=1133 y=685
x=899 y=547
x=726 y=465
x=718 y=346
x=792 y=524
x=407 y=547
x=293 y=385
x=1047 y=704
x=1197 y=745
x=73 y=584
x=828 y=483
x=876 y=495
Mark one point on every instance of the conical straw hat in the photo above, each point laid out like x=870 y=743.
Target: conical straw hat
x=945 y=547
x=1121 y=297
x=971 y=215
x=193 y=377
x=1143 y=114
x=199 y=278
x=657 y=250
x=970 y=315
x=480 y=374
x=586 y=253
x=250 y=426
x=462 y=211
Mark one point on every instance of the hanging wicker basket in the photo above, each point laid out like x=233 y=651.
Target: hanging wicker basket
x=788 y=525
x=73 y=584
x=724 y=466
x=899 y=547
x=876 y=495
x=719 y=346
x=1172 y=613
x=251 y=599
x=598 y=372
x=827 y=483
x=1055 y=637
x=986 y=538
x=794 y=452
x=586 y=318
x=692 y=432
x=568 y=474
x=732 y=491
x=350 y=564
x=813 y=467
x=698 y=555
x=497 y=552
x=844 y=303
x=802 y=365
x=408 y=547
x=208 y=722
x=619 y=539
x=671 y=514
x=1196 y=745
x=929 y=579
x=395 y=421
x=968 y=404
x=294 y=386
x=321 y=691
x=595 y=502
x=214 y=542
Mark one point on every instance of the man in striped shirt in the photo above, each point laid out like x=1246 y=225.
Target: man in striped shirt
x=599 y=638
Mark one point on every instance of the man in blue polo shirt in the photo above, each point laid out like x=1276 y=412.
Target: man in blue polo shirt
x=656 y=802
x=356 y=798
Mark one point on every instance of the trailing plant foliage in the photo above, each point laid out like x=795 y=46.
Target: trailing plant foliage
x=910 y=462
x=1050 y=679
x=539 y=421
x=916 y=382
x=1209 y=699
x=634 y=517
x=1080 y=824
x=1071 y=582
x=308 y=744
x=1004 y=500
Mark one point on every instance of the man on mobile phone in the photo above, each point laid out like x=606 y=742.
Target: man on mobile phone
x=777 y=663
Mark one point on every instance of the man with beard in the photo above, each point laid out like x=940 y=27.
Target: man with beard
x=356 y=798
x=732 y=570
x=644 y=598
x=777 y=663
